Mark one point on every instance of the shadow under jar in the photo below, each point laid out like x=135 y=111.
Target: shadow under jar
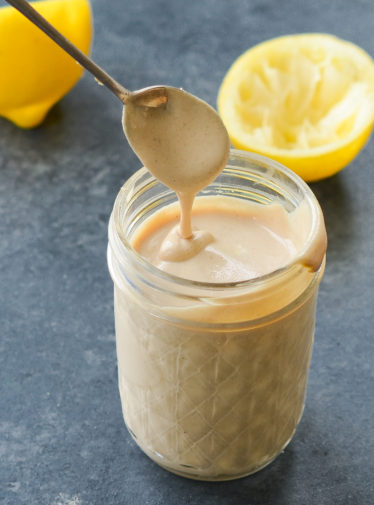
x=212 y=377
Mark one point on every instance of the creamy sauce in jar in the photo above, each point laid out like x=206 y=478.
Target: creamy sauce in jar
x=213 y=383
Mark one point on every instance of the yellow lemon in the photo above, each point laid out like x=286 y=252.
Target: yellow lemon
x=304 y=100
x=35 y=72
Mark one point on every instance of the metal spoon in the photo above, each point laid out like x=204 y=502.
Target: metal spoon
x=152 y=96
x=184 y=144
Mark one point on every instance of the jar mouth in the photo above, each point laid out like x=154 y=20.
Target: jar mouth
x=248 y=284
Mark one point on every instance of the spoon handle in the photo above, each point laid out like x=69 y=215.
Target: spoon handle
x=29 y=12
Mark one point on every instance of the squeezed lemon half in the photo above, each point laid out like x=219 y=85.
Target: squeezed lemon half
x=304 y=100
x=35 y=72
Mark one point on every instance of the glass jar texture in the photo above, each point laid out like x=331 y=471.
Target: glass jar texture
x=212 y=377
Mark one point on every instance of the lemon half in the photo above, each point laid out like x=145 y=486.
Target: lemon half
x=35 y=72
x=305 y=100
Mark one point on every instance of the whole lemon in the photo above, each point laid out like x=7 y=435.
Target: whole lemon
x=305 y=100
x=35 y=72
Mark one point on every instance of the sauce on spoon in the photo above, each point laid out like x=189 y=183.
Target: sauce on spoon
x=185 y=145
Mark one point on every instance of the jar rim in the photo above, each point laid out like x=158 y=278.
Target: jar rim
x=124 y=244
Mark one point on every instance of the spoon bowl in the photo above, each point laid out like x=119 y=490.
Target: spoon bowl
x=186 y=145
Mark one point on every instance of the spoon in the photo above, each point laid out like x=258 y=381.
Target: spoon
x=152 y=96
x=180 y=139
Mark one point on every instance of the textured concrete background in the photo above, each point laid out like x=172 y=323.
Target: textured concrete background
x=62 y=437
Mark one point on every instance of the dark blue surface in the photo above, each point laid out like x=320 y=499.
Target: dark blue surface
x=62 y=437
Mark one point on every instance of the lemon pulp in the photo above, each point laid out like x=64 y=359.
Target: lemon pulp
x=305 y=100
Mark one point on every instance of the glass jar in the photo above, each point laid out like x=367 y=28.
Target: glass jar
x=212 y=377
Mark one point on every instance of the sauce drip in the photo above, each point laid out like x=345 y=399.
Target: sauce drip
x=185 y=145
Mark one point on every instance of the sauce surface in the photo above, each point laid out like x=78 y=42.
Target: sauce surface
x=242 y=240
